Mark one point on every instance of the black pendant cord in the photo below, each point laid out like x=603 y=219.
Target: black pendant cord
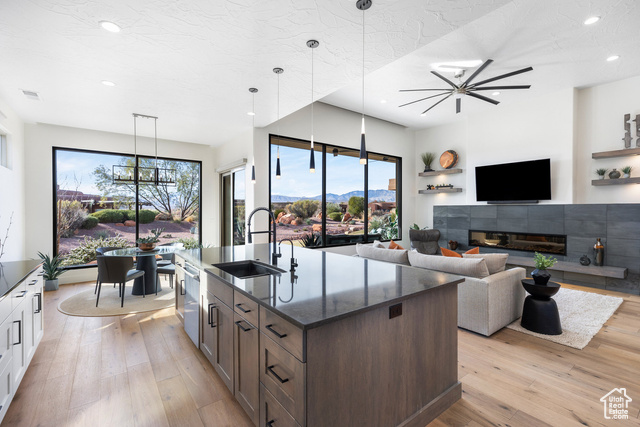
x=253 y=91
x=278 y=71
x=363 y=5
x=312 y=158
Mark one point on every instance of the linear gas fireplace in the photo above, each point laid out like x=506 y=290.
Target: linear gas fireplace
x=529 y=242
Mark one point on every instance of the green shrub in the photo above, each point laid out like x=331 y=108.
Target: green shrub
x=86 y=252
x=333 y=207
x=356 y=206
x=335 y=216
x=109 y=216
x=304 y=208
x=145 y=216
x=90 y=222
x=71 y=216
x=101 y=234
x=129 y=214
x=189 y=242
x=311 y=240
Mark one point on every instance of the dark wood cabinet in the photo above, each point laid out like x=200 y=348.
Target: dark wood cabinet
x=247 y=378
x=208 y=327
x=223 y=346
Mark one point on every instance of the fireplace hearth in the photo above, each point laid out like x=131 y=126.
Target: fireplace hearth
x=528 y=242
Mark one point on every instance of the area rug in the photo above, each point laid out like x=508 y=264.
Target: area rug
x=582 y=315
x=84 y=303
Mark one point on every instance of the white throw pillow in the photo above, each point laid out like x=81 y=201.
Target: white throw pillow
x=378 y=244
x=463 y=266
x=495 y=262
x=395 y=256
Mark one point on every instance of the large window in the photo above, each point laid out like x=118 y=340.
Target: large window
x=233 y=208
x=343 y=202
x=95 y=206
x=4 y=151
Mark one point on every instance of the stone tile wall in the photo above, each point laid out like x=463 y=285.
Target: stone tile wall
x=618 y=226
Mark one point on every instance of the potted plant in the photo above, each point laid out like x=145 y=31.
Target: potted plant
x=427 y=159
x=601 y=172
x=540 y=275
x=149 y=243
x=51 y=271
x=626 y=171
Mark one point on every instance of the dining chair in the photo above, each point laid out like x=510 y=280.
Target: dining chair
x=102 y=251
x=167 y=265
x=118 y=269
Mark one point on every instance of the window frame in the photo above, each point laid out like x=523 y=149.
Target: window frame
x=325 y=148
x=137 y=157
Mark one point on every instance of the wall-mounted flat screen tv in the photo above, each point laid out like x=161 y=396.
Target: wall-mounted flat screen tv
x=528 y=181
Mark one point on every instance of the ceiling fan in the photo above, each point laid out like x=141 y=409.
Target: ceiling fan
x=467 y=87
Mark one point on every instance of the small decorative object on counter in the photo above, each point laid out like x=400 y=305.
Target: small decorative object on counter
x=540 y=275
x=598 y=253
x=626 y=171
x=601 y=172
x=51 y=271
x=453 y=245
x=584 y=260
x=614 y=174
x=427 y=159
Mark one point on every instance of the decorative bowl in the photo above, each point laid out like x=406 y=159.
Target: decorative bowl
x=146 y=246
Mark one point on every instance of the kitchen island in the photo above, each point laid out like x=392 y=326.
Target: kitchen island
x=337 y=341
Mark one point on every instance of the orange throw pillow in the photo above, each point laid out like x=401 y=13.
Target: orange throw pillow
x=449 y=252
x=475 y=250
x=394 y=245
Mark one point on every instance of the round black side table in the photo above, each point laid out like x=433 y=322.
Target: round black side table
x=540 y=311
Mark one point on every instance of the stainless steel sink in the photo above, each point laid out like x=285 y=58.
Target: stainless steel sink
x=247 y=269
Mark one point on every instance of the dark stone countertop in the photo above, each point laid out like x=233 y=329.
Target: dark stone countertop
x=13 y=273
x=328 y=287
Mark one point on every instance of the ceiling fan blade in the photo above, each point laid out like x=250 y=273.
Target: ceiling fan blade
x=501 y=87
x=446 y=97
x=484 y=98
x=452 y=84
x=417 y=90
x=458 y=103
x=422 y=99
x=478 y=71
x=503 y=76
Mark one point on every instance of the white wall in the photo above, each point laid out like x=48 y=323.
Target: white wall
x=340 y=127
x=538 y=128
x=600 y=113
x=12 y=186
x=41 y=138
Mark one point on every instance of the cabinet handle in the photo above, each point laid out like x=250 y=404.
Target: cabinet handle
x=39 y=309
x=241 y=327
x=270 y=423
x=243 y=310
x=270 y=369
x=182 y=287
x=33 y=282
x=210 y=315
x=22 y=294
x=269 y=327
x=19 y=322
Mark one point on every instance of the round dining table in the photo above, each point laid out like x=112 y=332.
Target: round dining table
x=146 y=261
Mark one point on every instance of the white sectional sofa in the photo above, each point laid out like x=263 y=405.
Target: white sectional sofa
x=490 y=297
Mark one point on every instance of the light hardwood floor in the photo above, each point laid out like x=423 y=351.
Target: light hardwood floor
x=142 y=370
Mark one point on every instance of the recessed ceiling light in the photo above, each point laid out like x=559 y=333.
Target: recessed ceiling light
x=383 y=101
x=613 y=58
x=251 y=113
x=495 y=93
x=110 y=26
x=108 y=83
x=591 y=20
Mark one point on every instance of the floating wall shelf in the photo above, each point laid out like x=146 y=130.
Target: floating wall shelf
x=616 y=153
x=619 y=181
x=440 y=172
x=441 y=190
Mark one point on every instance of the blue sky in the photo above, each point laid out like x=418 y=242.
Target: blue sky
x=73 y=165
x=344 y=174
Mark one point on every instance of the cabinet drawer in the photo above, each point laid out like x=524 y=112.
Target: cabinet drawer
x=5 y=307
x=284 y=333
x=18 y=295
x=6 y=343
x=6 y=391
x=245 y=307
x=272 y=413
x=284 y=376
x=221 y=290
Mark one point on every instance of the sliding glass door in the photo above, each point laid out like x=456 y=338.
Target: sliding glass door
x=233 y=208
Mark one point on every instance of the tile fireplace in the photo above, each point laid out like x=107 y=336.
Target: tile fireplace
x=529 y=242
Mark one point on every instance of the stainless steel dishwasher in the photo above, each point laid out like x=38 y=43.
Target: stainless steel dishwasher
x=191 y=302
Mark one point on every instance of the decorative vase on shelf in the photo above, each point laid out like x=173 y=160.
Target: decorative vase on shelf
x=626 y=175
x=540 y=277
x=600 y=176
x=614 y=174
x=584 y=260
x=428 y=169
x=598 y=253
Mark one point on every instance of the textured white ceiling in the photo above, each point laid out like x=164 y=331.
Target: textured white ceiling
x=191 y=62
x=548 y=35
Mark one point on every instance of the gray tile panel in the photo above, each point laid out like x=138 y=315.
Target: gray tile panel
x=585 y=212
x=480 y=211
x=623 y=229
x=488 y=224
x=623 y=212
x=585 y=228
x=516 y=212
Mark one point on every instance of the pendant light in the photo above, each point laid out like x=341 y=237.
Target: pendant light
x=253 y=91
x=312 y=157
x=363 y=5
x=278 y=71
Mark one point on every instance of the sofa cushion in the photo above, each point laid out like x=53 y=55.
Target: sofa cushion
x=463 y=266
x=449 y=253
x=495 y=262
x=389 y=255
x=378 y=244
